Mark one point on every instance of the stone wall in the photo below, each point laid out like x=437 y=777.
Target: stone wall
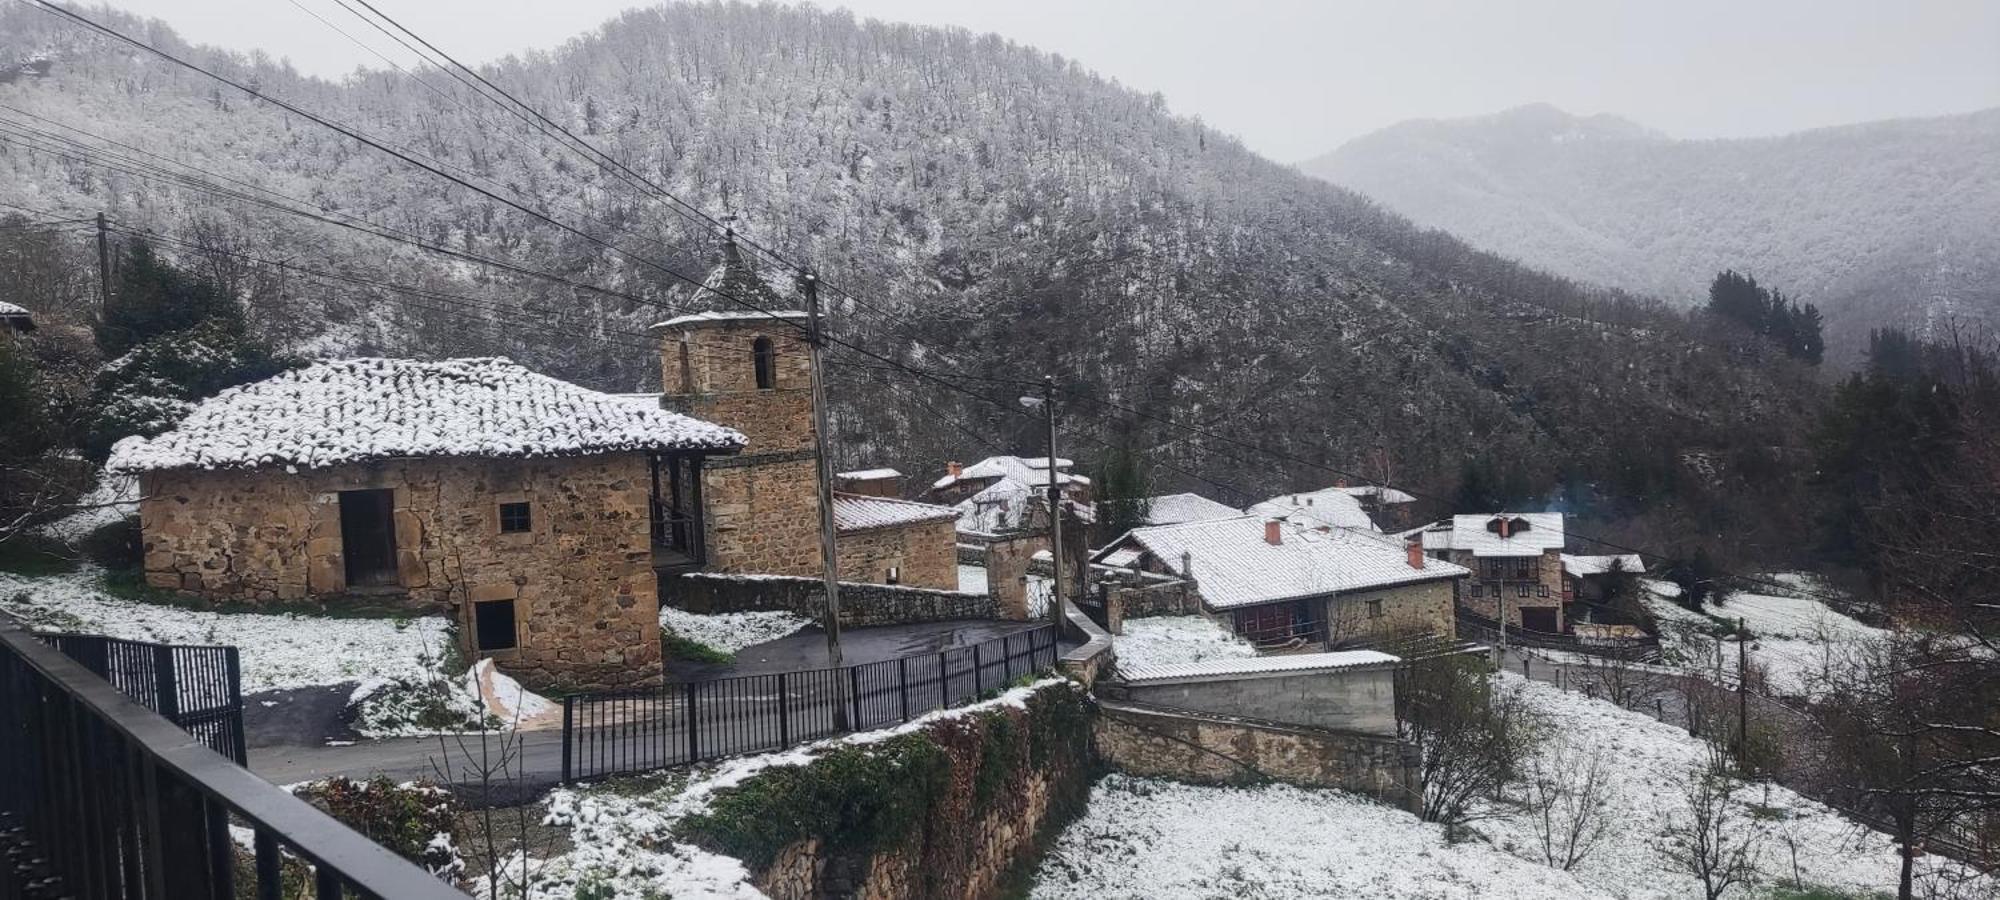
x=1212 y=749
x=1425 y=606
x=1151 y=598
x=950 y=811
x=1547 y=572
x=1358 y=699
x=762 y=516
x=924 y=554
x=581 y=578
x=1007 y=572
x=861 y=605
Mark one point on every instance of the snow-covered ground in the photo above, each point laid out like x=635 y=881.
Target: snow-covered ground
x=1152 y=838
x=1146 y=838
x=278 y=651
x=971 y=579
x=730 y=632
x=1171 y=640
x=1796 y=639
x=115 y=498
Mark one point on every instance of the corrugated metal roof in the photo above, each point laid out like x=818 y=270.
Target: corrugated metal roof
x=853 y=512
x=1259 y=665
x=1234 y=566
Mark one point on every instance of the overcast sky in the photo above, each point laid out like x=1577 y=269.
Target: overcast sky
x=1295 y=79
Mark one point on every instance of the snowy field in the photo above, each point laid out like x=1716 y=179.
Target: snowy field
x=730 y=632
x=1796 y=639
x=1152 y=838
x=1169 y=640
x=277 y=651
x=1147 y=838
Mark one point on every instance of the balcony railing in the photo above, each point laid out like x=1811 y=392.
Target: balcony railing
x=101 y=797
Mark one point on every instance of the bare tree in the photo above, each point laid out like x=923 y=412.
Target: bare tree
x=1567 y=802
x=1471 y=739
x=1709 y=838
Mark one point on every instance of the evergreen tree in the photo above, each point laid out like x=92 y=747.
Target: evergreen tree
x=1123 y=485
x=1770 y=314
x=150 y=297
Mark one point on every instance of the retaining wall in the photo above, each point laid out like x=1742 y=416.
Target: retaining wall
x=861 y=605
x=1211 y=749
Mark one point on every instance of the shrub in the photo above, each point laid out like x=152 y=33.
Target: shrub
x=34 y=555
x=116 y=545
x=419 y=822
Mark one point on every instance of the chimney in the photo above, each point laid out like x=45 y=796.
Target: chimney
x=954 y=469
x=1340 y=482
x=1416 y=551
x=1272 y=533
x=1505 y=526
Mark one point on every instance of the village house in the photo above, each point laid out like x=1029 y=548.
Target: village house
x=960 y=483
x=15 y=319
x=529 y=509
x=1003 y=522
x=1369 y=507
x=753 y=372
x=1516 y=565
x=1286 y=585
x=1587 y=579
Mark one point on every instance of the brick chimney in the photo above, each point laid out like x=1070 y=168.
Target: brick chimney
x=954 y=469
x=1273 y=533
x=1416 y=551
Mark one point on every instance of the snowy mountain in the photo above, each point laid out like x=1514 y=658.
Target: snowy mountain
x=998 y=211
x=1881 y=223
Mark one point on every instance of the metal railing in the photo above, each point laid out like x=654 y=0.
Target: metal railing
x=102 y=797
x=1479 y=628
x=199 y=688
x=678 y=724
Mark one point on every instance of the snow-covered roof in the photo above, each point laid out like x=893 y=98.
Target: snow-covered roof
x=1579 y=566
x=1332 y=508
x=1003 y=507
x=1478 y=533
x=1033 y=470
x=787 y=315
x=1381 y=493
x=1259 y=665
x=1173 y=509
x=353 y=410
x=854 y=512
x=1235 y=566
x=869 y=474
x=16 y=316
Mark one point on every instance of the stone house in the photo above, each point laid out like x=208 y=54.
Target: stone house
x=1516 y=563
x=878 y=482
x=527 y=508
x=1006 y=521
x=1176 y=509
x=1285 y=585
x=752 y=371
x=960 y=483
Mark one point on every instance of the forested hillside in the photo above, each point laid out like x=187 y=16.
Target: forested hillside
x=999 y=212
x=1886 y=223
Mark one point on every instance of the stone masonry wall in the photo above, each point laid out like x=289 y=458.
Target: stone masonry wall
x=581 y=578
x=1012 y=774
x=925 y=554
x=1547 y=572
x=861 y=605
x=1425 y=606
x=762 y=518
x=1209 y=749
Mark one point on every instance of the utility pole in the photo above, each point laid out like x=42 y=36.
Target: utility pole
x=1500 y=592
x=1055 y=501
x=829 y=552
x=1742 y=691
x=103 y=265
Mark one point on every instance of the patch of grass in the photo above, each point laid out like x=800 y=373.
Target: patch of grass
x=673 y=646
x=36 y=556
x=130 y=585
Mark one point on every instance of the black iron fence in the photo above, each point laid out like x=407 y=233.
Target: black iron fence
x=199 y=688
x=678 y=724
x=101 y=797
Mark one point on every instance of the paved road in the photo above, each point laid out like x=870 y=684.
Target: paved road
x=286 y=743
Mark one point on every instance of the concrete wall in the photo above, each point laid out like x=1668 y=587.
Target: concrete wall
x=1360 y=700
x=581 y=580
x=860 y=604
x=1223 y=750
x=1425 y=606
x=925 y=554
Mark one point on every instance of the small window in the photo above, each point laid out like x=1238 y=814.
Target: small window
x=515 y=518
x=1478 y=590
x=766 y=361
x=493 y=621
x=1521 y=590
x=1374 y=609
x=894 y=575
x=1542 y=590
